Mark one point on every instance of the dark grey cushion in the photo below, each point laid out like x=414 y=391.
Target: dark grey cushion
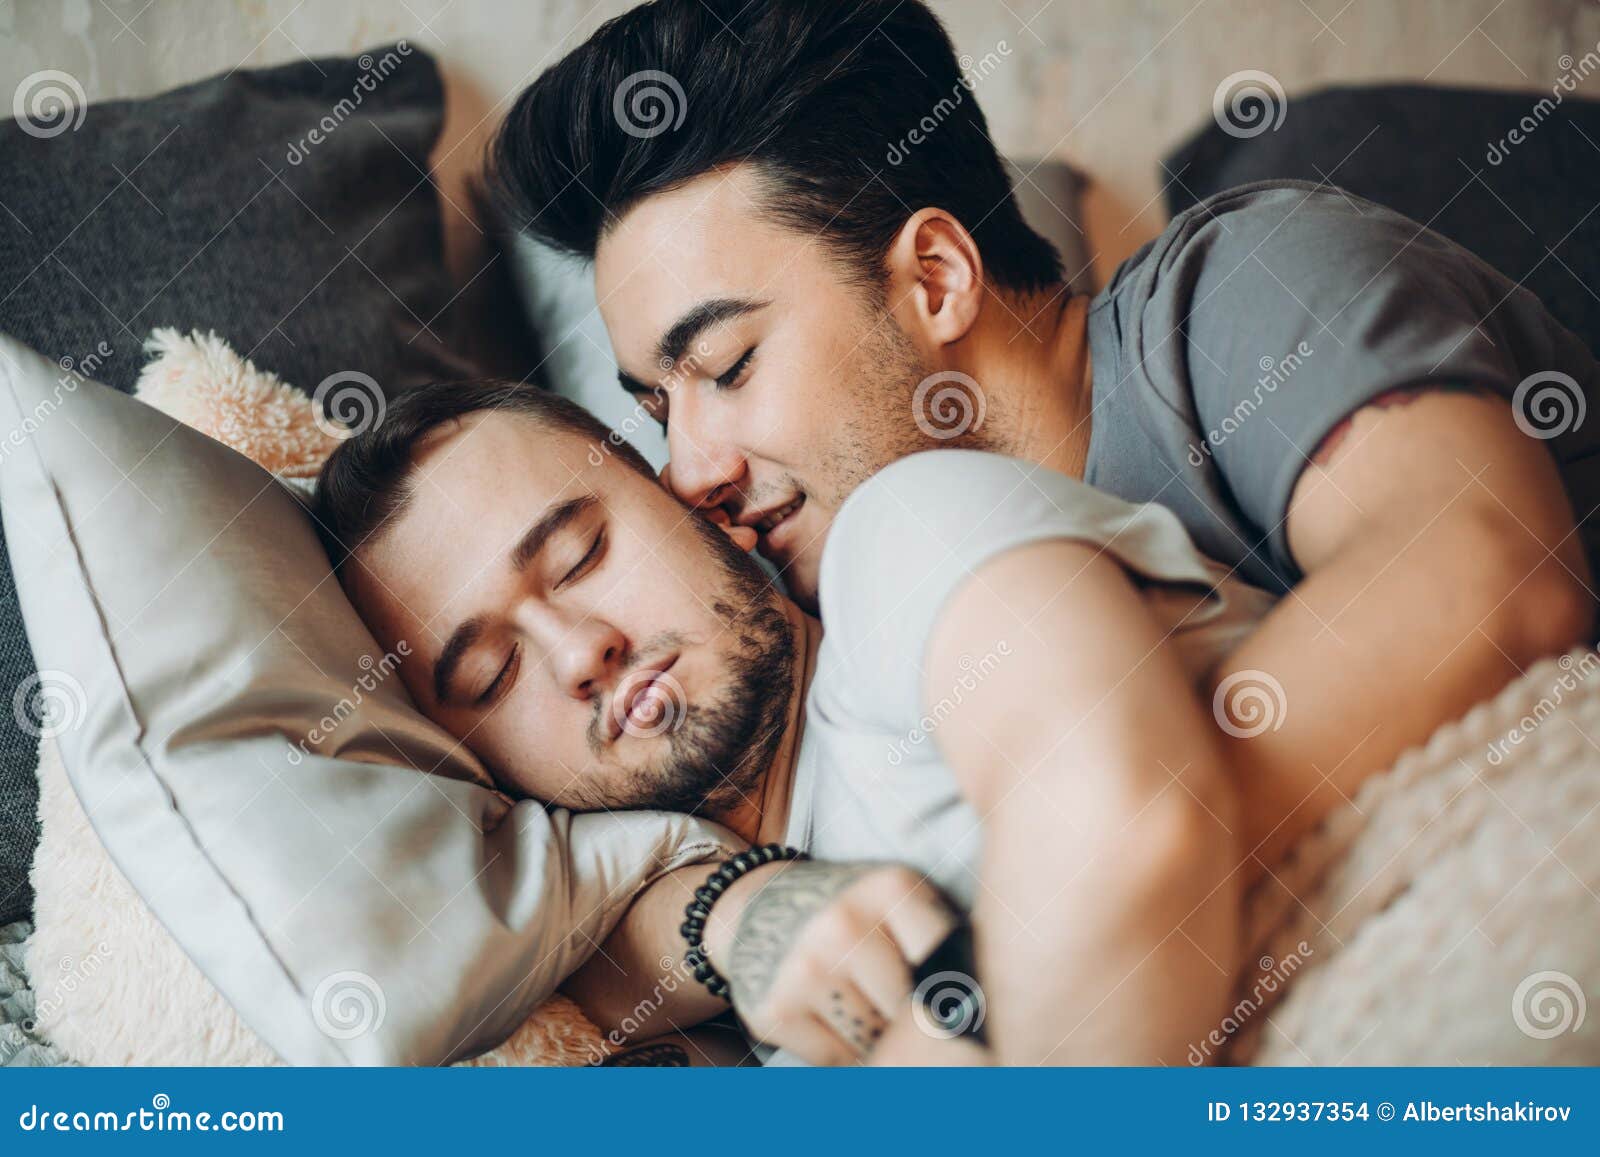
x=1449 y=158
x=211 y=207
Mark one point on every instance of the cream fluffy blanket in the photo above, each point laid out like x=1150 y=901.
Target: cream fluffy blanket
x=1451 y=914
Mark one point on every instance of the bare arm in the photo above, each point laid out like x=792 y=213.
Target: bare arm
x=1106 y=923
x=1441 y=560
x=818 y=956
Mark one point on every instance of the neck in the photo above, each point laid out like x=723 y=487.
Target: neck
x=763 y=817
x=1030 y=352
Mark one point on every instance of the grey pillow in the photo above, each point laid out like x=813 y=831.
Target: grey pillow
x=339 y=868
x=210 y=207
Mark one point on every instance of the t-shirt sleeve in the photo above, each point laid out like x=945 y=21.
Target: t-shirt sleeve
x=1299 y=306
x=909 y=537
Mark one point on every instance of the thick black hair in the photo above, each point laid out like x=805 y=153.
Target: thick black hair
x=364 y=482
x=857 y=114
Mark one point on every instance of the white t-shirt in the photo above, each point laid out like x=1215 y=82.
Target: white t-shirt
x=870 y=781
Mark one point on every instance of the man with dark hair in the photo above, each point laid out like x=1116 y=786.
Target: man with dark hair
x=599 y=646
x=1336 y=402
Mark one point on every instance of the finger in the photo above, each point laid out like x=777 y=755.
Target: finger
x=743 y=537
x=853 y=1018
x=666 y=475
x=920 y=922
x=810 y=1039
x=882 y=972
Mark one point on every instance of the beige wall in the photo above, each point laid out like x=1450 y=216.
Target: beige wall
x=1108 y=84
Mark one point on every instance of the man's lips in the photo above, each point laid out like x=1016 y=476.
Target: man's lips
x=772 y=524
x=636 y=704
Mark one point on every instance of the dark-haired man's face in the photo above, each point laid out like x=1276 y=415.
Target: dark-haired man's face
x=783 y=385
x=593 y=642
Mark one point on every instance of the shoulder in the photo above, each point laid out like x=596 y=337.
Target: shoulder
x=922 y=525
x=930 y=508
x=1291 y=239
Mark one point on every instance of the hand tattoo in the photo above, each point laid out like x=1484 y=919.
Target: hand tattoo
x=774 y=917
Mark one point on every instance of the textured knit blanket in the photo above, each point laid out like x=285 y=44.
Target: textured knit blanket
x=1451 y=913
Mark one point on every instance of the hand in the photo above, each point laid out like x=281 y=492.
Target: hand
x=819 y=956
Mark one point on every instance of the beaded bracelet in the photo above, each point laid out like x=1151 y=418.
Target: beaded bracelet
x=699 y=909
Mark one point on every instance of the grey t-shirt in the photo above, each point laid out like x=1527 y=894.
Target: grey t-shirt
x=1225 y=350
x=870 y=781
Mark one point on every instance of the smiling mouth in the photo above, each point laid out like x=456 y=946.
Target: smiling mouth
x=773 y=519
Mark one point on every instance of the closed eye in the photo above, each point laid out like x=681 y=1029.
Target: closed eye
x=729 y=379
x=500 y=680
x=586 y=563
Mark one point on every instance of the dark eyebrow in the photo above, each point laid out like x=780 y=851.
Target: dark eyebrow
x=533 y=540
x=544 y=528
x=700 y=318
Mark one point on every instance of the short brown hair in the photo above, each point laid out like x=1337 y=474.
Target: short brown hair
x=363 y=483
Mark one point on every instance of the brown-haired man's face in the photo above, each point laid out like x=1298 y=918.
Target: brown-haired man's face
x=593 y=642
x=783 y=385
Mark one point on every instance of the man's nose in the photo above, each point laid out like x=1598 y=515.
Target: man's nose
x=584 y=654
x=705 y=464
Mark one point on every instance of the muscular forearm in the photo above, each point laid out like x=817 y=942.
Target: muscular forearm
x=1105 y=951
x=1106 y=921
x=1441 y=559
x=1367 y=657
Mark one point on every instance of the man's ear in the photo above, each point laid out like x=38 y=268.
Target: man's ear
x=935 y=276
